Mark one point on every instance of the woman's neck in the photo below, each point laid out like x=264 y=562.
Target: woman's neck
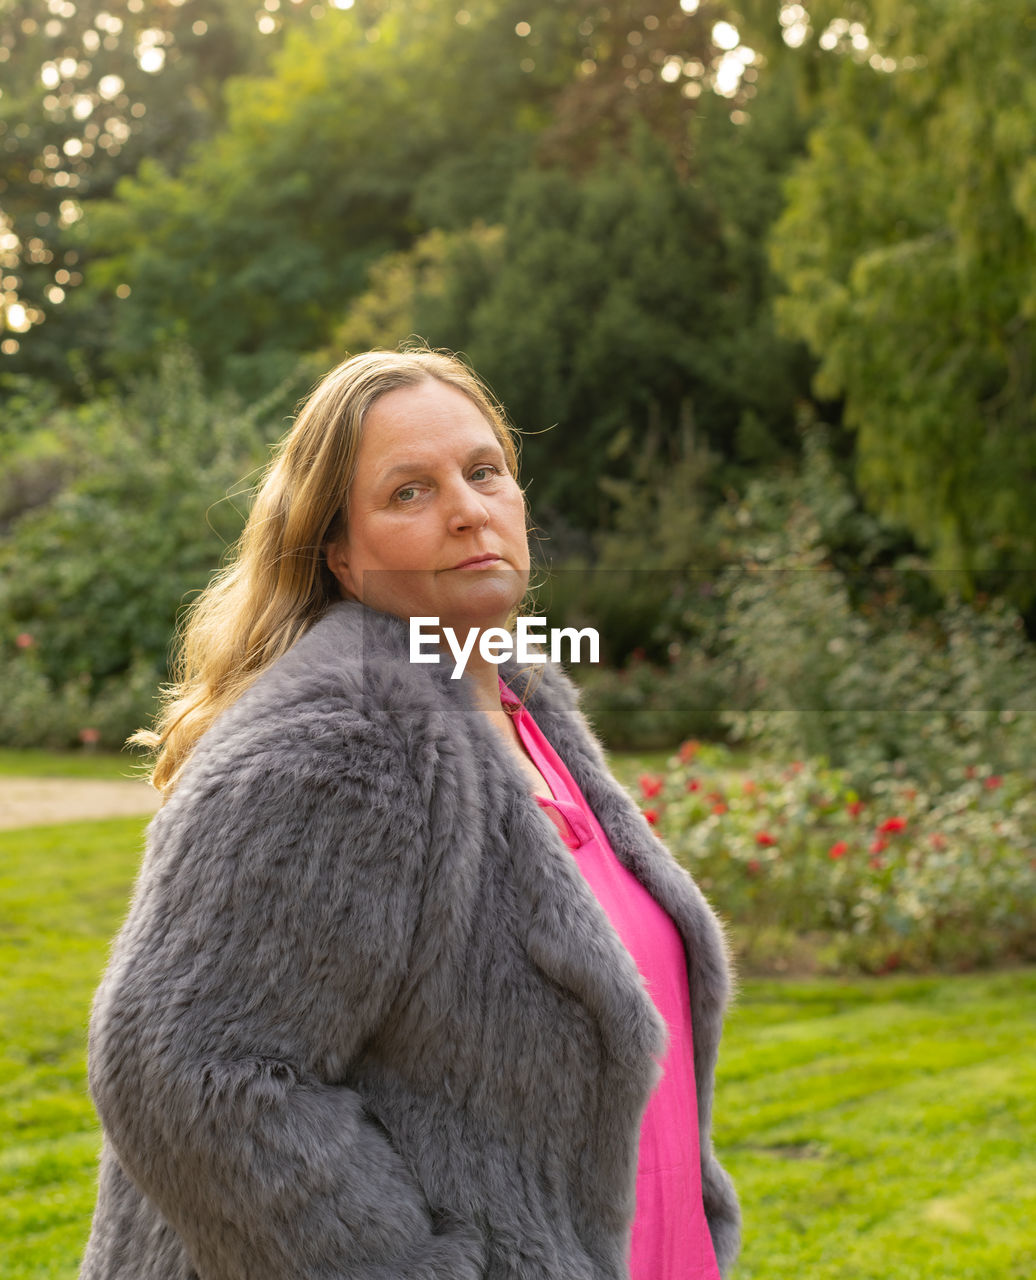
x=483 y=679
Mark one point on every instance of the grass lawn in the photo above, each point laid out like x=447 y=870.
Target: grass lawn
x=878 y=1129
x=67 y=764
x=883 y=1129
x=31 y=763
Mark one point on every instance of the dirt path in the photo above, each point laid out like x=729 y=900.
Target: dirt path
x=27 y=802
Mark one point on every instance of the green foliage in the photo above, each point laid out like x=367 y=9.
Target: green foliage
x=852 y=672
x=888 y=871
x=792 y=620
x=253 y=245
x=33 y=461
x=354 y=145
x=610 y=313
x=36 y=711
x=643 y=707
x=618 y=307
x=542 y=186
x=907 y=247
x=89 y=89
x=660 y=542
x=92 y=579
x=420 y=290
x=651 y=595
x=615 y=310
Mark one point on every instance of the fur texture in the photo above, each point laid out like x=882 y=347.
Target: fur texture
x=365 y=1018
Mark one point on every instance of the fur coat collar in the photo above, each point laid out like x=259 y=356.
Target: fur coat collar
x=365 y=1017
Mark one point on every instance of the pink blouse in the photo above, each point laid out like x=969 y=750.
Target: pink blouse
x=671 y=1239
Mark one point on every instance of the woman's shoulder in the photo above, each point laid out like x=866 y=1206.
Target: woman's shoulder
x=344 y=700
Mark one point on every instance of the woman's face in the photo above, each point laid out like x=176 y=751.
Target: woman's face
x=436 y=523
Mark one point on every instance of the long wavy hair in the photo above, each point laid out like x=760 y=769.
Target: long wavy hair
x=276 y=583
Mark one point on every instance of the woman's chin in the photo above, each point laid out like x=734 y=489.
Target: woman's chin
x=488 y=598
x=459 y=600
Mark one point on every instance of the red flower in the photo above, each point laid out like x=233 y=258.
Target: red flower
x=651 y=784
x=764 y=838
x=693 y=784
x=688 y=750
x=993 y=781
x=838 y=850
x=854 y=807
x=970 y=771
x=893 y=824
x=753 y=866
x=879 y=845
x=714 y=797
x=719 y=808
x=748 y=787
x=652 y=816
x=89 y=737
x=23 y=640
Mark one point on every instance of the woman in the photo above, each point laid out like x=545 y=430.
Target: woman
x=369 y=1017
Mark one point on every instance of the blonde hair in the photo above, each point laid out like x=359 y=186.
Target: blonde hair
x=276 y=582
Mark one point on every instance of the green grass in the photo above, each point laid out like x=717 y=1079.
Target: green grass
x=31 y=763
x=878 y=1129
x=63 y=891
x=629 y=765
x=882 y=1129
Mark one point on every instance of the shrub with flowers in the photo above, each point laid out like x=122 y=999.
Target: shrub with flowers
x=80 y=712
x=896 y=875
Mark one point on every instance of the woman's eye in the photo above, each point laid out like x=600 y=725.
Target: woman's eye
x=407 y=494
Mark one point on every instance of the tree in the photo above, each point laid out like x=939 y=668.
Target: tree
x=616 y=304
x=908 y=248
x=336 y=157
x=376 y=123
x=90 y=88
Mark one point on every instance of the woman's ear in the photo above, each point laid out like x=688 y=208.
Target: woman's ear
x=338 y=562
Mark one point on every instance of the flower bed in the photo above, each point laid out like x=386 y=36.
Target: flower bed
x=875 y=877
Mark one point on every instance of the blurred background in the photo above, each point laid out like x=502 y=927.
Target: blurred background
x=757 y=283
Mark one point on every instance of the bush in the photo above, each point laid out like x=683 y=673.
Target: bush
x=645 y=707
x=34 y=712
x=858 y=675
x=97 y=572
x=892 y=875
x=113 y=514
x=828 y=682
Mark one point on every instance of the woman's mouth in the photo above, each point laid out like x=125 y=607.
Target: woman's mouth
x=479 y=562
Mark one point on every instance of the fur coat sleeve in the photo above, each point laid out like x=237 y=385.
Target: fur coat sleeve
x=359 y=991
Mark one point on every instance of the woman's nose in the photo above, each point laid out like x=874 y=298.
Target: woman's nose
x=467 y=510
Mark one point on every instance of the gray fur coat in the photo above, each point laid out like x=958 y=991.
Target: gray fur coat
x=365 y=1020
